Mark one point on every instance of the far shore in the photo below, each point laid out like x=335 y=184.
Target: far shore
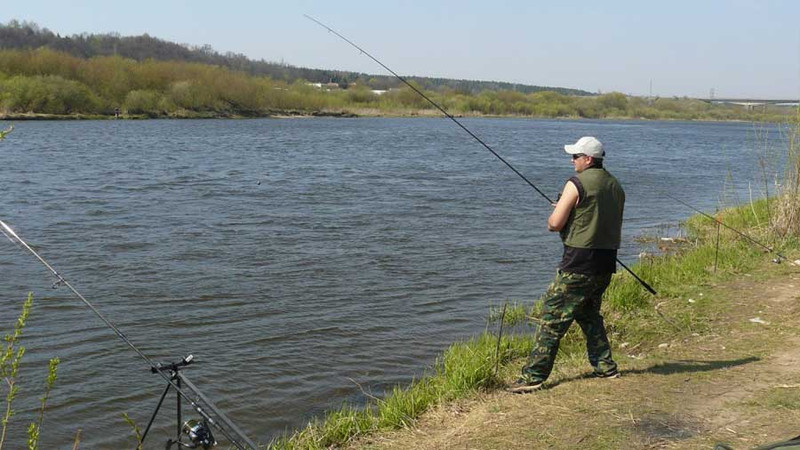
x=295 y=114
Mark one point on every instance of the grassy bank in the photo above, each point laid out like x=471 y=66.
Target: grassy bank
x=633 y=315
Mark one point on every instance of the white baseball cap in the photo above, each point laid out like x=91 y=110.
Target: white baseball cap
x=588 y=146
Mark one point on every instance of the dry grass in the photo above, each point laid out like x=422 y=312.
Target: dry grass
x=786 y=220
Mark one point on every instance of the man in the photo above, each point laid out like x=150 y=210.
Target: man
x=588 y=216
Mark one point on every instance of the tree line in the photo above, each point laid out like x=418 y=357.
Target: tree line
x=46 y=81
x=17 y=35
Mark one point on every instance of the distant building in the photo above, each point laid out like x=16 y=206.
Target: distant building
x=325 y=86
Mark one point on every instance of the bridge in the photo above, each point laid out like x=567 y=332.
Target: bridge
x=750 y=103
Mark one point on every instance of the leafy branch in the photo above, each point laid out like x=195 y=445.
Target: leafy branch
x=9 y=366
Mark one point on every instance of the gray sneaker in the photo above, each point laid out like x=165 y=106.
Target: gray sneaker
x=524 y=387
x=613 y=374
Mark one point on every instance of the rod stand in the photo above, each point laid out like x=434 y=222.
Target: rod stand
x=199 y=433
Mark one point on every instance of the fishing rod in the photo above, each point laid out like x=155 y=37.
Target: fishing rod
x=457 y=122
x=155 y=368
x=719 y=222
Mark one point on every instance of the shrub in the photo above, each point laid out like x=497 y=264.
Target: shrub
x=48 y=94
x=142 y=102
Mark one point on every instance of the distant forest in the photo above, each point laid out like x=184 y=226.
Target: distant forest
x=28 y=36
x=45 y=75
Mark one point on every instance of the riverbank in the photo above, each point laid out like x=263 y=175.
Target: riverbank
x=350 y=113
x=733 y=377
x=724 y=314
x=177 y=115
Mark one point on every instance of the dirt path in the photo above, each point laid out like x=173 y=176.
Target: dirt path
x=737 y=381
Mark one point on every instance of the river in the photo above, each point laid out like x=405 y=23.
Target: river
x=295 y=258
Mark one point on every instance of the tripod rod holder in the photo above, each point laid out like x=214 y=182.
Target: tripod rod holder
x=172 y=367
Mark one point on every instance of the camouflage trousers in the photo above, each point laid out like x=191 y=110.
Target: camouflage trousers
x=570 y=297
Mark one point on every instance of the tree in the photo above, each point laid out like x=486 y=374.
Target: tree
x=614 y=101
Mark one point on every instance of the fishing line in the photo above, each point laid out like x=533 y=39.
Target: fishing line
x=719 y=222
x=450 y=116
x=155 y=368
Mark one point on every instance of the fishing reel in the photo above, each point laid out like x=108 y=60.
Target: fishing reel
x=199 y=434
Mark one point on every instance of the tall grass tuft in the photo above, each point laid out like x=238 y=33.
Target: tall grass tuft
x=787 y=205
x=402 y=406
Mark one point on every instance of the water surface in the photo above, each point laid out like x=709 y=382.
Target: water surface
x=295 y=258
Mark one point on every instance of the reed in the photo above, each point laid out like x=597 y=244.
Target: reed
x=786 y=221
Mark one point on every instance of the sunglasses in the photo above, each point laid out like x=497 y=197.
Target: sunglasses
x=577 y=155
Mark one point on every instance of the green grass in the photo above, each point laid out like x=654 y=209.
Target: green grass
x=633 y=314
x=463 y=369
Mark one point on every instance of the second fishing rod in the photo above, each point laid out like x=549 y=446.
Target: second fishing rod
x=175 y=380
x=467 y=130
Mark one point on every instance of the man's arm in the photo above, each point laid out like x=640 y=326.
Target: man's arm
x=569 y=199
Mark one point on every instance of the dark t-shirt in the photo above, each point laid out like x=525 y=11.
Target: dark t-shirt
x=588 y=261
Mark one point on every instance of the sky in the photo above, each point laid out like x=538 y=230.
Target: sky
x=737 y=48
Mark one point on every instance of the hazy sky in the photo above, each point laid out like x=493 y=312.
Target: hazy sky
x=685 y=48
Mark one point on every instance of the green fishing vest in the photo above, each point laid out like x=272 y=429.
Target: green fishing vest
x=596 y=222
